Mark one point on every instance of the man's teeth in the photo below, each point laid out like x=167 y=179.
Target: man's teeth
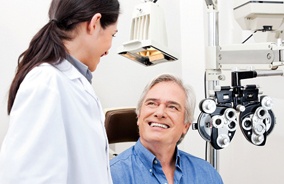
x=158 y=125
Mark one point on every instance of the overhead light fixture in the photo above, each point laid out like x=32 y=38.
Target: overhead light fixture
x=148 y=43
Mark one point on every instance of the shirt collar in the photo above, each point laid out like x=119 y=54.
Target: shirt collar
x=178 y=158
x=82 y=68
x=148 y=158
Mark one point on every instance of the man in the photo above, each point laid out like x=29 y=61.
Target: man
x=165 y=113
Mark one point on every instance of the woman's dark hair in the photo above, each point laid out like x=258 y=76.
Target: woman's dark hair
x=47 y=45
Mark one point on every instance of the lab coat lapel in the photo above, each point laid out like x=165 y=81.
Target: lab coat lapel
x=88 y=87
x=73 y=74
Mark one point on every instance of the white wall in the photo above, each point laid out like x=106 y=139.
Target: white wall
x=193 y=65
x=119 y=82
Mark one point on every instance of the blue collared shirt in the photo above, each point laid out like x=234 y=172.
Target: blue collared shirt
x=137 y=165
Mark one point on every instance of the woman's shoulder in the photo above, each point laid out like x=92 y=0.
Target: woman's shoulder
x=44 y=75
x=46 y=71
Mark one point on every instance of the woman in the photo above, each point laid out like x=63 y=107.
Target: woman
x=56 y=132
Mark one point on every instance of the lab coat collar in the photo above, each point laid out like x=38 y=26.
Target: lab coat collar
x=73 y=74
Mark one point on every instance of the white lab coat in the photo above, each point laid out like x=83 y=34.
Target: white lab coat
x=56 y=133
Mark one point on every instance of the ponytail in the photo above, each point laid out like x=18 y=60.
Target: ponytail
x=46 y=46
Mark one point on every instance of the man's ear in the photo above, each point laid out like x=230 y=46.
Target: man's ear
x=94 y=23
x=138 y=119
x=187 y=125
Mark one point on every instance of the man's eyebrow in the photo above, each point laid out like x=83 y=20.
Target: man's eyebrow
x=151 y=99
x=167 y=102
x=174 y=103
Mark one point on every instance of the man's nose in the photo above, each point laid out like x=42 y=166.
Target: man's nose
x=160 y=111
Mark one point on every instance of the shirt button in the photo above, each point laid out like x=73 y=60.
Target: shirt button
x=150 y=170
x=155 y=161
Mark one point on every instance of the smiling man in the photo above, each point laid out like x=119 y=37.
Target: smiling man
x=165 y=113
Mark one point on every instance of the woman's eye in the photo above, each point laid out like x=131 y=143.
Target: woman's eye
x=114 y=34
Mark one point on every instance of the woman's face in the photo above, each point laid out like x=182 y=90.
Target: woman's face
x=95 y=41
x=102 y=44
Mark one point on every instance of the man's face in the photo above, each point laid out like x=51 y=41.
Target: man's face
x=161 y=118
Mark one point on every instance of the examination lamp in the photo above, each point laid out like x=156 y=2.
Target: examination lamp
x=148 y=40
